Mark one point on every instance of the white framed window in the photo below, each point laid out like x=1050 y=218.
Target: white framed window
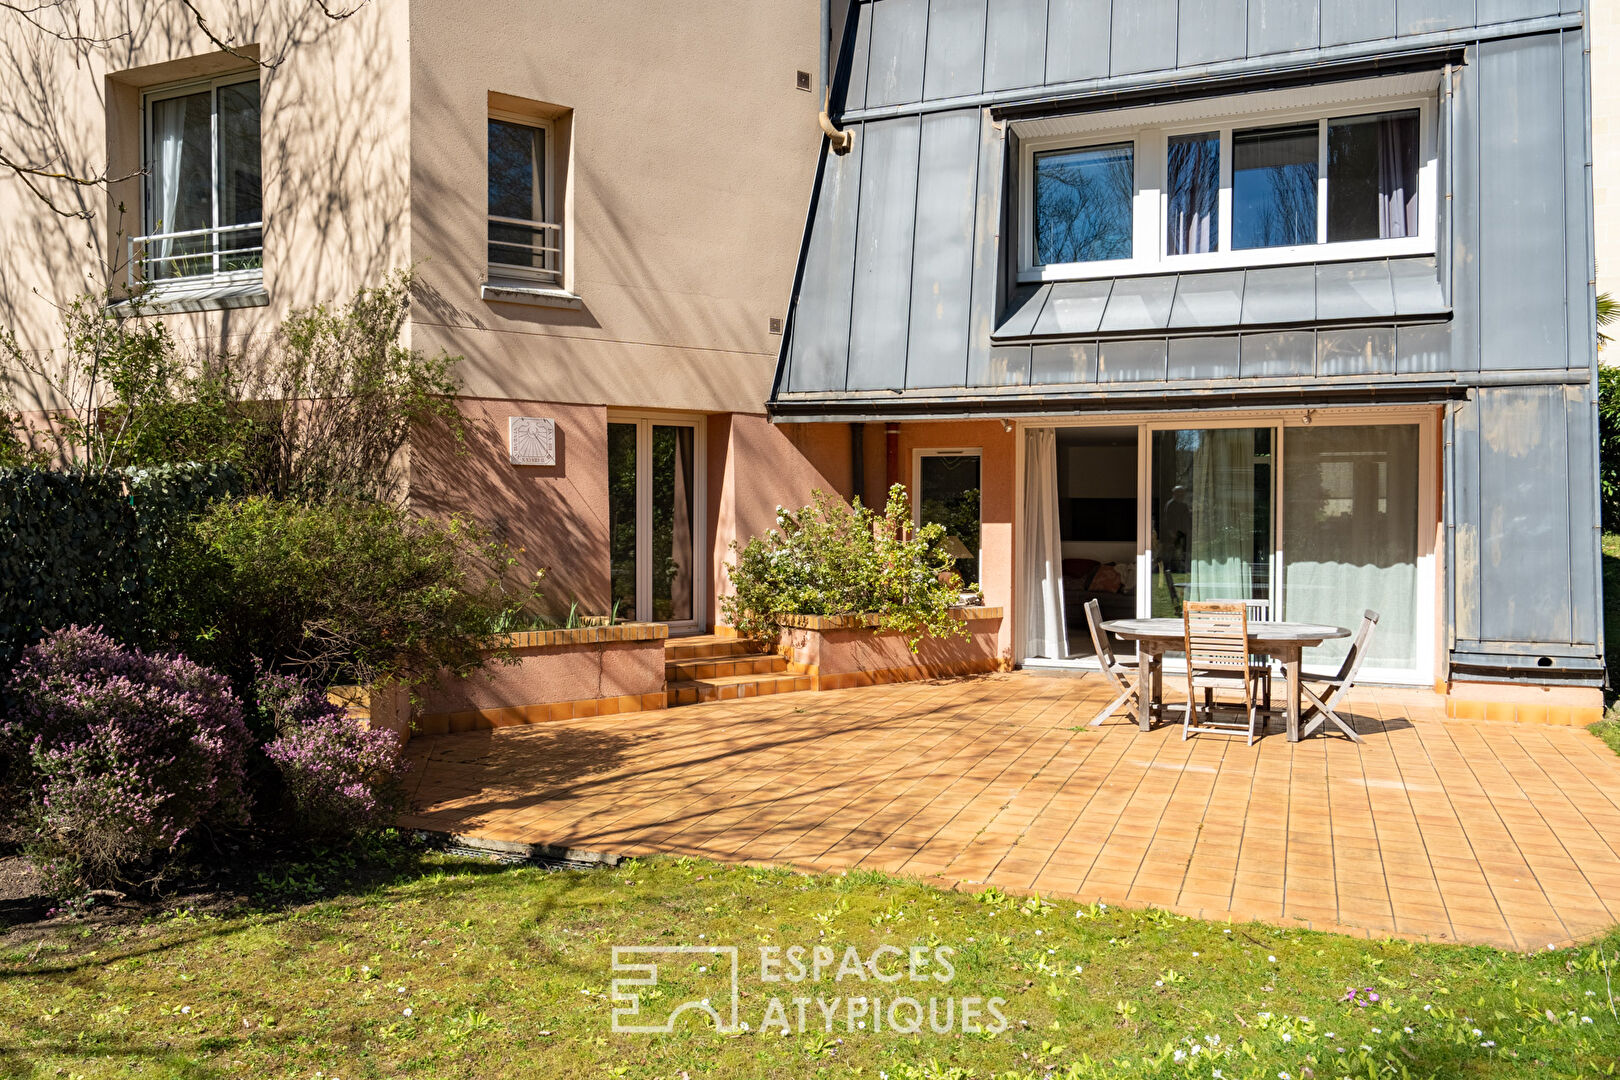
x=203 y=211
x=525 y=240
x=1344 y=171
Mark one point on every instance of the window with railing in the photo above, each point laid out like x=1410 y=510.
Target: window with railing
x=523 y=243
x=204 y=215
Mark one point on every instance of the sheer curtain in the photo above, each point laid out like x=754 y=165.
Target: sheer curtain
x=1397 y=176
x=1045 y=633
x=168 y=149
x=1221 y=544
x=1350 y=530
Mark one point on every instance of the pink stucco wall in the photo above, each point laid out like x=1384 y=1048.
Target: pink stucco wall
x=756 y=466
x=554 y=518
x=554 y=673
x=837 y=652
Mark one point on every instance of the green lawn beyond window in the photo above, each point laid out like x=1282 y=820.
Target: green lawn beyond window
x=459 y=969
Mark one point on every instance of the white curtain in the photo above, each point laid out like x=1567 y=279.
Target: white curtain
x=1350 y=532
x=1221 y=546
x=168 y=144
x=1045 y=633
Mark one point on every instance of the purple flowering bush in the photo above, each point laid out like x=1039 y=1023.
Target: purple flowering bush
x=341 y=778
x=119 y=755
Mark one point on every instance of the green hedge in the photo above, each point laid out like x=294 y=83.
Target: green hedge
x=80 y=548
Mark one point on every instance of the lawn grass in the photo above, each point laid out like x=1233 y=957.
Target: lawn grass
x=456 y=968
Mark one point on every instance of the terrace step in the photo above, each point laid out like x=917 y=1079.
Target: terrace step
x=753 y=663
x=733 y=687
x=708 y=647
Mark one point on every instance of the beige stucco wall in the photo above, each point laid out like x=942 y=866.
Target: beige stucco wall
x=1604 y=27
x=692 y=154
x=334 y=140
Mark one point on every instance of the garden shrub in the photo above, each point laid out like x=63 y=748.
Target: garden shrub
x=83 y=547
x=340 y=778
x=1609 y=445
x=833 y=559
x=123 y=754
x=342 y=591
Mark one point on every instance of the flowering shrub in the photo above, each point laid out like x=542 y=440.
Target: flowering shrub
x=119 y=755
x=832 y=559
x=341 y=777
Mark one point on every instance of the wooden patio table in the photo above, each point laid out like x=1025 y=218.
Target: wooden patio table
x=1284 y=641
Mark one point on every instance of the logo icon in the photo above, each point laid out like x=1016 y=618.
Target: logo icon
x=641 y=964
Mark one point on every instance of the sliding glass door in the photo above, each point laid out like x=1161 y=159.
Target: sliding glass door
x=1350 y=512
x=654 y=527
x=1306 y=517
x=1211 y=503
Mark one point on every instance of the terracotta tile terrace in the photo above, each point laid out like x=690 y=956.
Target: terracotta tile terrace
x=1503 y=833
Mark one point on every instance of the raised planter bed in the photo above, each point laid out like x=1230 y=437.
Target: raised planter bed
x=559 y=675
x=842 y=651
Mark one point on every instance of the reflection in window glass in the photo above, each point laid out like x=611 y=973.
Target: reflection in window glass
x=1211 y=516
x=240 y=199
x=1193 y=188
x=1372 y=169
x=950 y=497
x=1083 y=203
x=1274 y=186
x=672 y=522
x=622 y=518
x=516 y=190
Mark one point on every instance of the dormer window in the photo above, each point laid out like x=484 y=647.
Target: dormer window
x=1345 y=171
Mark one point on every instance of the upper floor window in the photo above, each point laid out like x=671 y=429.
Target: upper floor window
x=523 y=240
x=1263 y=179
x=204 y=214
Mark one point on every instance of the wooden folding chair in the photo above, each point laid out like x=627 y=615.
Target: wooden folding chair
x=1339 y=685
x=1216 y=639
x=1121 y=674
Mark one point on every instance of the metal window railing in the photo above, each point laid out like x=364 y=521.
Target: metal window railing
x=229 y=252
x=533 y=248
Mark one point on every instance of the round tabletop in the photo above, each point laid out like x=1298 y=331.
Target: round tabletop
x=1173 y=630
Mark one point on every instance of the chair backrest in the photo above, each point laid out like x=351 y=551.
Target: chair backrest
x=1358 y=648
x=1216 y=635
x=1257 y=610
x=1099 y=636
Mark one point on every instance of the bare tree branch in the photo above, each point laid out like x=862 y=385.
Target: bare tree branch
x=30 y=14
x=30 y=175
x=225 y=44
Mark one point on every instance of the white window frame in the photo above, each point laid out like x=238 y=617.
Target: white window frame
x=917 y=456
x=216 y=195
x=1150 y=130
x=545 y=175
x=1428 y=646
x=644 y=422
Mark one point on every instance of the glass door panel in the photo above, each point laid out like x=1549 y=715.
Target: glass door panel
x=672 y=480
x=948 y=487
x=1350 y=536
x=1211 y=516
x=622 y=506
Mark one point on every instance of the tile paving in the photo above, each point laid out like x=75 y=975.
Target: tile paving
x=1499 y=833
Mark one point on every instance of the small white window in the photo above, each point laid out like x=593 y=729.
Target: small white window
x=1335 y=172
x=204 y=215
x=524 y=241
